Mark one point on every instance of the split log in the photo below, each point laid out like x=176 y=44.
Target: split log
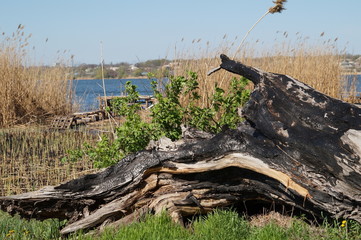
x=297 y=147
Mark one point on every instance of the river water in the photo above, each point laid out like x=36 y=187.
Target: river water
x=353 y=80
x=87 y=91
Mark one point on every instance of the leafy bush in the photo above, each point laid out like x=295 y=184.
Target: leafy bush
x=133 y=135
x=223 y=110
x=168 y=115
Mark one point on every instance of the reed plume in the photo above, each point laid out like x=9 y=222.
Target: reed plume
x=278 y=7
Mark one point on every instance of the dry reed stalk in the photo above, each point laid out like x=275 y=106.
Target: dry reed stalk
x=31 y=158
x=314 y=64
x=277 y=8
x=201 y=61
x=29 y=93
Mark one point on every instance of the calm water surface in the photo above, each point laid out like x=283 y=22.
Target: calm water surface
x=353 y=81
x=87 y=91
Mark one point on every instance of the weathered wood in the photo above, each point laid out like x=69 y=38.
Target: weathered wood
x=145 y=100
x=76 y=119
x=296 y=148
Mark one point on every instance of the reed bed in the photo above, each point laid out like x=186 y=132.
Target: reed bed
x=28 y=93
x=32 y=158
x=316 y=63
x=30 y=155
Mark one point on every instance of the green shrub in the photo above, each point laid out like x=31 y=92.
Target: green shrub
x=133 y=135
x=168 y=115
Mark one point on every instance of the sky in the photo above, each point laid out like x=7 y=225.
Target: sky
x=139 y=30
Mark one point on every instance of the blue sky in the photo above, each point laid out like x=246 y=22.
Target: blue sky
x=139 y=30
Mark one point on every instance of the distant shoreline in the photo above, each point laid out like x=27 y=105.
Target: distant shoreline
x=130 y=78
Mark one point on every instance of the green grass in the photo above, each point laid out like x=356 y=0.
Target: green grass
x=16 y=228
x=221 y=225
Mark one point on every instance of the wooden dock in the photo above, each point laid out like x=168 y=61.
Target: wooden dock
x=145 y=100
x=77 y=119
x=82 y=118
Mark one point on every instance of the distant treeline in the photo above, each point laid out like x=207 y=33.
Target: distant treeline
x=164 y=67
x=122 y=70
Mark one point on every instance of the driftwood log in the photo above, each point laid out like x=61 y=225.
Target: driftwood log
x=297 y=148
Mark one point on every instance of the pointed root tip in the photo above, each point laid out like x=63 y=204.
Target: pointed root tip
x=213 y=71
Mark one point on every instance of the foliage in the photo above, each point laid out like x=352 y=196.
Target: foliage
x=124 y=70
x=138 y=72
x=133 y=135
x=106 y=152
x=223 y=110
x=99 y=73
x=168 y=115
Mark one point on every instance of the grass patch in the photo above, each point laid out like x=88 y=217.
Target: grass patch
x=220 y=225
x=16 y=228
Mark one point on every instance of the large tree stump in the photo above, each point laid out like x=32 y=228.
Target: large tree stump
x=297 y=147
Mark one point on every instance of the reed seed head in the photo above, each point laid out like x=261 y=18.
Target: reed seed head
x=278 y=7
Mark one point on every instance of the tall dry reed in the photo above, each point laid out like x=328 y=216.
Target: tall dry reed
x=29 y=93
x=31 y=157
x=316 y=63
